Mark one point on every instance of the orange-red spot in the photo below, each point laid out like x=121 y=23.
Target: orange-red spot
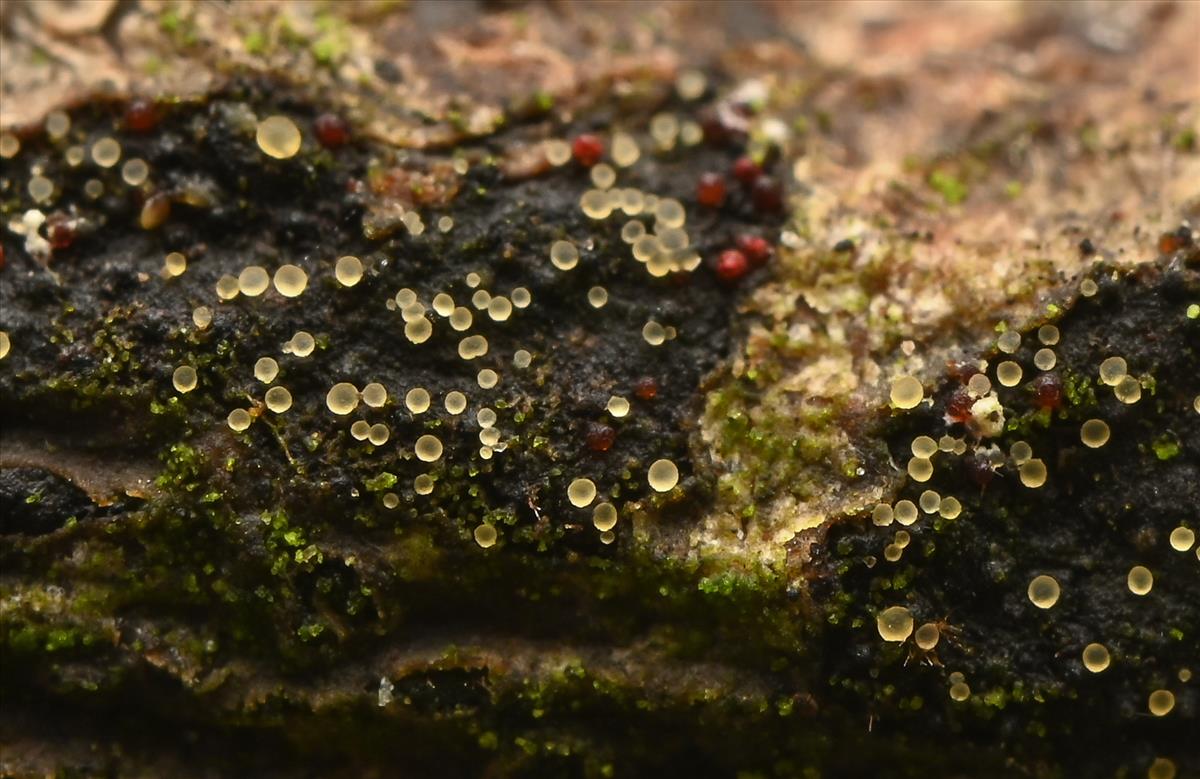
x=646 y=389
x=710 y=191
x=587 y=149
x=600 y=438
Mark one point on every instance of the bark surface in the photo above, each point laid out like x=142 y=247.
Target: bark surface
x=185 y=593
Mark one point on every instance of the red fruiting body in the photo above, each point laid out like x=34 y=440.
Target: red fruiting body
x=755 y=247
x=746 y=170
x=732 y=265
x=332 y=131
x=1173 y=242
x=711 y=190
x=958 y=405
x=716 y=132
x=767 y=194
x=588 y=149
x=141 y=115
x=1168 y=243
x=646 y=389
x=963 y=371
x=600 y=437
x=1048 y=391
x=60 y=231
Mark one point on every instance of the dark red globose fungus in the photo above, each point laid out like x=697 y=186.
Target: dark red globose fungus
x=141 y=115
x=755 y=247
x=711 y=190
x=1048 y=391
x=587 y=149
x=600 y=438
x=646 y=389
x=767 y=194
x=746 y=170
x=958 y=405
x=732 y=265
x=331 y=130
